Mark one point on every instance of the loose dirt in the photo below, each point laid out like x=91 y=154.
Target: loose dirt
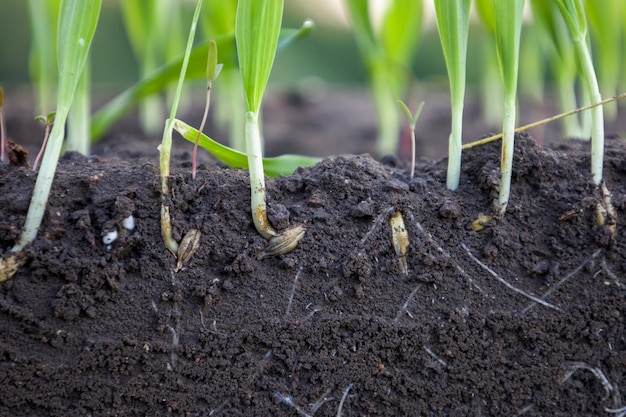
x=525 y=317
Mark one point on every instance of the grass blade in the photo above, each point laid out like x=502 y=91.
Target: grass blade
x=574 y=14
x=508 y=28
x=256 y=31
x=453 y=25
x=77 y=25
x=166 y=141
x=114 y=110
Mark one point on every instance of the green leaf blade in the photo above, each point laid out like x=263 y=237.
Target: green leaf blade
x=453 y=26
x=274 y=167
x=508 y=28
x=77 y=25
x=257 y=29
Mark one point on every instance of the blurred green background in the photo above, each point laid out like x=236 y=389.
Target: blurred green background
x=329 y=53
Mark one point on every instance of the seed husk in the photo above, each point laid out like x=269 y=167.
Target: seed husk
x=480 y=223
x=187 y=248
x=10 y=265
x=283 y=243
x=605 y=212
x=399 y=239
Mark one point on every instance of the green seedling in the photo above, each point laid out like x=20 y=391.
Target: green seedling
x=492 y=93
x=169 y=73
x=3 y=139
x=574 y=13
x=562 y=61
x=605 y=25
x=508 y=27
x=218 y=20
x=47 y=122
x=453 y=24
x=43 y=68
x=256 y=32
x=152 y=26
x=387 y=54
x=412 y=118
x=532 y=71
x=76 y=27
x=257 y=28
x=212 y=71
x=165 y=150
x=273 y=167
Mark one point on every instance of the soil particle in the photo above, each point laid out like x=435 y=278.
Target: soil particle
x=523 y=317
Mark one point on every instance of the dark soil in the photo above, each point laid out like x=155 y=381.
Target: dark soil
x=334 y=327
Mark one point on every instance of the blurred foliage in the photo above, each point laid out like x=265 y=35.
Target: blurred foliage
x=114 y=65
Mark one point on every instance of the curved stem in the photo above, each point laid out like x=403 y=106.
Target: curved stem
x=257 y=177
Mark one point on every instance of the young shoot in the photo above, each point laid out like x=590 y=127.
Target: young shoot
x=605 y=22
x=256 y=32
x=76 y=27
x=165 y=149
x=548 y=21
x=574 y=13
x=492 y=93
x=412 y=122
x=47 y=121
x=453 y=24
x=144 y=21
x=508 y=28
x=212 y=71
x=218 y=20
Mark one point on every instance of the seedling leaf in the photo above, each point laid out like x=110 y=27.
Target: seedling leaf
x=453 y=26
x=77 y=25
x=274 y=167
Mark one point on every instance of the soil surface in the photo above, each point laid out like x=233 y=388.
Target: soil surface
x=524 y=317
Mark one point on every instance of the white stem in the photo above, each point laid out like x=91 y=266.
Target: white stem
x=597 y=113
x=508 y=145
x=454 y=146
x=37 y=206
x=257 y=177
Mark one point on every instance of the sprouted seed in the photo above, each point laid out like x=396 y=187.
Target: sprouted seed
x=399 y=239
x=187 y=248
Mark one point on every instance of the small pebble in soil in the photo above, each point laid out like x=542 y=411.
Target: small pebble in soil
x=110 y=237
x=129 y=223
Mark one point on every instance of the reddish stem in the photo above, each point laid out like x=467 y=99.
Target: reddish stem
x=43 y=147
x=200 y=129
